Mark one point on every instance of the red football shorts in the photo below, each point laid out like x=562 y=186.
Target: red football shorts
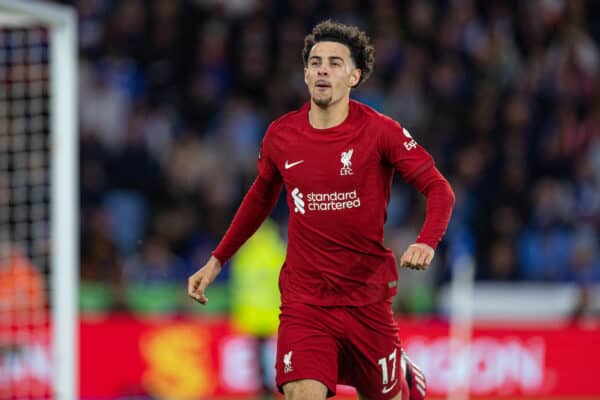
x=356 y=346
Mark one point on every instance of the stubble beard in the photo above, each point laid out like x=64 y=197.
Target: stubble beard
x=322 y=101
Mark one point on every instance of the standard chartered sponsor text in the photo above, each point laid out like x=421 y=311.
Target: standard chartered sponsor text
x=332 y=201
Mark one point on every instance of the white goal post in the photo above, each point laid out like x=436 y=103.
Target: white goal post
x=61 y=24
x=461 y=327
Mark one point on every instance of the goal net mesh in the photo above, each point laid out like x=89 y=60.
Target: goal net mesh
x=25 y=362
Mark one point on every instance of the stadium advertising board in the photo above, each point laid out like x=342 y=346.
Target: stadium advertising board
x=195 y=358
x=186 y=358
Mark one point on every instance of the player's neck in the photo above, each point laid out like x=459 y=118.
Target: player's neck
x=328 y=117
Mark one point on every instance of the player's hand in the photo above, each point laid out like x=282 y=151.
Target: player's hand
x=417 y=256
x=199 y=281
x=417 y=384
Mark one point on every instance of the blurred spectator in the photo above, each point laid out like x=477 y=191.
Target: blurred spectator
x=502 y=264
x=22 y=289
x=105 y=117
x=584 y=257
x=154 y=265
x=547 y=242
x=101 y=266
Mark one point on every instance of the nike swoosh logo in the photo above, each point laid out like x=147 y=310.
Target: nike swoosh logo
x=290 y=165
x=387 y=389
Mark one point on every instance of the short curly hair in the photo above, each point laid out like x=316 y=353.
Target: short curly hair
x=361 y=50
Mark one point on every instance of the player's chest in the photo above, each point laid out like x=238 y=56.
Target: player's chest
x=328 y=163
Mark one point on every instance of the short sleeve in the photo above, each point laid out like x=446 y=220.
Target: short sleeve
x=400 y=150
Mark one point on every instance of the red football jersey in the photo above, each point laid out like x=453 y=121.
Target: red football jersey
x=338 y=183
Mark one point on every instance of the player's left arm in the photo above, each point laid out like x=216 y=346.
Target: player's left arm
x=417 y=167
x=440 y=200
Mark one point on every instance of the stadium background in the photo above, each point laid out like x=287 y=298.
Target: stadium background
x=175 y=96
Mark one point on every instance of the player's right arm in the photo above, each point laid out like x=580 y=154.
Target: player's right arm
x=199 y=281
x=254 y=209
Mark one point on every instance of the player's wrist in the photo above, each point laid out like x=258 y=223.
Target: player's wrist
x=426 y=243
x=215 y=263
x=217 y=258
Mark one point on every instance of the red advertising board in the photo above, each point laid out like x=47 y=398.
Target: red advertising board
x=121 y=356
x=25 y=360
x=194 y=358
x=511 y=359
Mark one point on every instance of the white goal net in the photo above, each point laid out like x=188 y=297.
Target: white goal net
x=37 y=201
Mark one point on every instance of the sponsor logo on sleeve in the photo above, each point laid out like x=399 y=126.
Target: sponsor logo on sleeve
x=409 y=144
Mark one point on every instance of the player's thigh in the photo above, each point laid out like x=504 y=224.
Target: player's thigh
x=305 y=389
x=371 y=355
x=306 y=348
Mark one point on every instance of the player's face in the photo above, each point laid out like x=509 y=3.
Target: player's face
x=330 y=73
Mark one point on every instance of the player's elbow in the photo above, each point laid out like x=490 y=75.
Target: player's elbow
x=450 y=194
x=442 y=192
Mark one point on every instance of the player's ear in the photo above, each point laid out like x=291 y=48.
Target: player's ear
x=355 y=77
x=306 y=75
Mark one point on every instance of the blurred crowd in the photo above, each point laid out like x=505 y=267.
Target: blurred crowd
x=175 y=96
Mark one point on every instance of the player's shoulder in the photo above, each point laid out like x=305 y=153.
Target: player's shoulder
x=377 y=118
x=293 y=118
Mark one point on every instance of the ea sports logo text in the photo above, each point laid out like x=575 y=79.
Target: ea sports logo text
x=409 y=145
